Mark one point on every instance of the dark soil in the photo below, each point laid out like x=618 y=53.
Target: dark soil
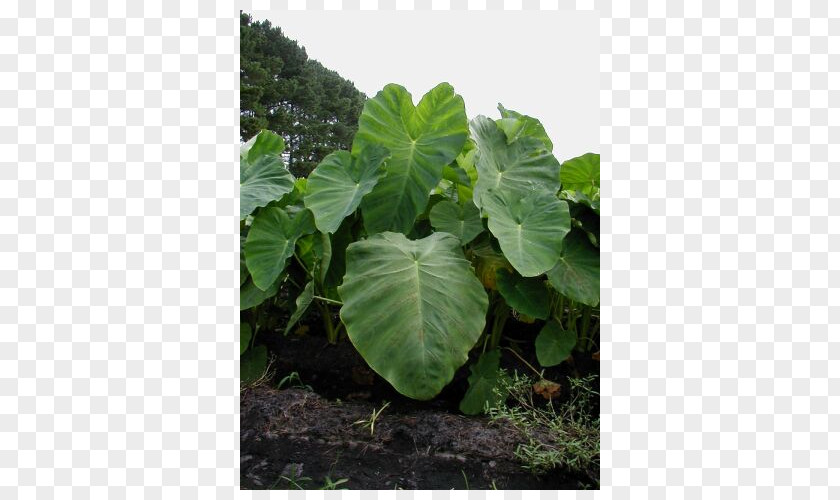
x=310 y=432
x=429 y=449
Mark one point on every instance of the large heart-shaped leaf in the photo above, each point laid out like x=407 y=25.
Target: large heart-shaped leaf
x=516 y=125
x=271 y=241
x=554 y=344
x=264 y=143
x=526 y=295
x=484 y=377
x=421 y=140
x=577 y=274
x=338 y=183
x=519 y=168
x=262 y=182
x=464 y=221
x=413 y=309
x=530 y=229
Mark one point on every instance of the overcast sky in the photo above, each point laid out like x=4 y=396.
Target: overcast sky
x=540 y=63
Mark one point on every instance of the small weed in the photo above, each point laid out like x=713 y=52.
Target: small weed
x=370 y=422
x=293 y=380
x=329 y=484
x=295 y=481
x=466 y=482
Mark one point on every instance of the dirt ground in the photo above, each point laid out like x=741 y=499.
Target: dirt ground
x=310 y=434
x=298 y=434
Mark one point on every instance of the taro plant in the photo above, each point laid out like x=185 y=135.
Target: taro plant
x=425 y=239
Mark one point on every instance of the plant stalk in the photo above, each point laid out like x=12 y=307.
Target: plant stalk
x=582 y=344
x=326 y=315
x=500 y=317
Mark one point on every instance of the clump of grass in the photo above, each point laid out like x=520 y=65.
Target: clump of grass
x=370 y=422
x=561 y=435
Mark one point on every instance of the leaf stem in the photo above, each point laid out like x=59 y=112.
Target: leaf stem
x=328 y=301
x=300 y=262
x=523 y=360
x=584 y=330
x=326 y=316
x=501 y=315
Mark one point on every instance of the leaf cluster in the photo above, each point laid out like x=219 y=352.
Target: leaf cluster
x=430 y=233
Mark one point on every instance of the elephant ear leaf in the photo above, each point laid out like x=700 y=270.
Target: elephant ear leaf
x=262 y=182
x=484 y=378
x=413 y=309
x=553 y=344
x=516 y=125
x=251 y=296
x=422 y=140
x=582 y=174
x=271 y=241
x=530 y=230
x=463 y=221
x=577 y=274
x=264 y=143
x=338 y=183
x=518 y=167
x=527 y=295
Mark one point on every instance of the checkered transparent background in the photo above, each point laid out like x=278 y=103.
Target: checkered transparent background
x=118 y=126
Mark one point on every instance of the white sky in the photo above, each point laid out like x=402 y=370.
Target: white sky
x=540 y=63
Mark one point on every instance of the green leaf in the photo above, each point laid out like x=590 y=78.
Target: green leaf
x=516 y=125
x=252 y=364
x=338 y=183
x=519 y=168
x=243 y=268
x=271 y=241
x=577 y=274
x=530 y=229
x=251 y=296
x=315 y=251
x=301 y=305
x=484 y=376
x=262 y=182
x=527 y=295
x=338 y=244
x=456 y=175
x=413 y=309
x=487 y=261
x=422 y=141
x=464 y=221
x=244 y=337
x=466 y=162
x=264 y=143
x=593 y=202
x=582 y=174
x=554 y=344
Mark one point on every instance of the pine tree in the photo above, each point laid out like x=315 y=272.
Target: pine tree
x=281 y=89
